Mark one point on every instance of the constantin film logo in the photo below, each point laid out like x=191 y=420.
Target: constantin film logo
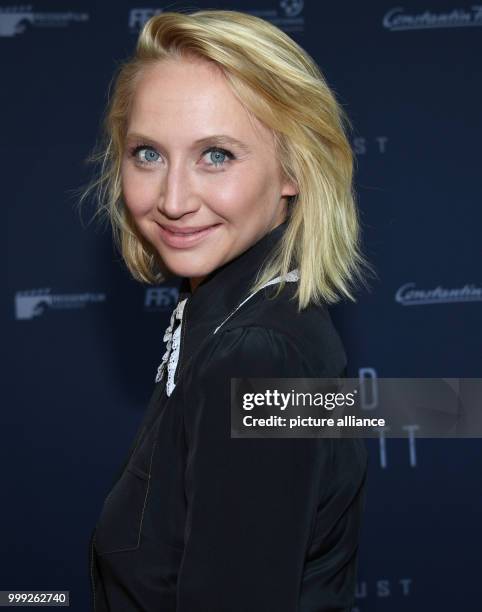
x=409 y=295
x=396 y=19
x=287 y=16
x=37 y=302
x=19 y=19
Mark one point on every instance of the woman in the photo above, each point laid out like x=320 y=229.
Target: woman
x=226 y=164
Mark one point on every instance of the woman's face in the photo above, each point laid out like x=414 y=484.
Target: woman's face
x=194 y=158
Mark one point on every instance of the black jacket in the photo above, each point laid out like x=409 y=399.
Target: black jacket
x=198 y=521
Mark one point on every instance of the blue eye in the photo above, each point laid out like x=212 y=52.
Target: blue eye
x=150 y=156
x=218 y=156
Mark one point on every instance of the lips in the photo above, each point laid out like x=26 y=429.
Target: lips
x=185 y=237
x=185 y=230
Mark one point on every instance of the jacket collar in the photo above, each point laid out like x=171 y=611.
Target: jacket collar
x=224 y=288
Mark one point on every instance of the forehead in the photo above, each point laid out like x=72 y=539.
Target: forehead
x=191 y=97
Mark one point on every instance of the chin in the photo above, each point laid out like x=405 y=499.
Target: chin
x=187 y=269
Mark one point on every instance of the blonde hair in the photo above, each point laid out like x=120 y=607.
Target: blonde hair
x=281 y=85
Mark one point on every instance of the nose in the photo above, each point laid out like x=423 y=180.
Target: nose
x=176 y=197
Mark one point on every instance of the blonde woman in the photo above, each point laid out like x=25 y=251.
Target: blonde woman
x=225 y=162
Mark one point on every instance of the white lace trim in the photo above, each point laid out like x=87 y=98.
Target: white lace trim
x=173 y=340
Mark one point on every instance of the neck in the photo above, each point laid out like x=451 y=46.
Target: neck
x=195 y=281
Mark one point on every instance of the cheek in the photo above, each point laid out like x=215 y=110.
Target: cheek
x=139 y=193
x=241 y=192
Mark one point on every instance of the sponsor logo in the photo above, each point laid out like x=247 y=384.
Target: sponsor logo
x=37 y=302
x=161 y=298
x=288 y=16
x=15 y=20
x=138 y=17
x=409 y=295
x=396 y=19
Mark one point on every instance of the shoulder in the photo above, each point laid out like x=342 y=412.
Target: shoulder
x=248 y=351
x=258 y=351
x=268 y=338
x=310 y=332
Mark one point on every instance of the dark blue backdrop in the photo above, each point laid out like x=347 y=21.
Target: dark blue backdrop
x=84 y=340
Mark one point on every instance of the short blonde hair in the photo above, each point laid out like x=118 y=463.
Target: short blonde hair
x=282 y=86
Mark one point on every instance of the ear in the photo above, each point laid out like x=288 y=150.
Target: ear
x=289 y=188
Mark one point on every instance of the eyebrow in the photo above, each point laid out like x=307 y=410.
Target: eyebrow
x=214 y=139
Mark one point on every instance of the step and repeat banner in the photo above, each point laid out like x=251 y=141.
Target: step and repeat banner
x=84 y=339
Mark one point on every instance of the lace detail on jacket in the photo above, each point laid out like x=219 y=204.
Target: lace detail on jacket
x=172 y=341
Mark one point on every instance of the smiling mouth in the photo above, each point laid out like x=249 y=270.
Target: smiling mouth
x=184 y=232
x=184 y=239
